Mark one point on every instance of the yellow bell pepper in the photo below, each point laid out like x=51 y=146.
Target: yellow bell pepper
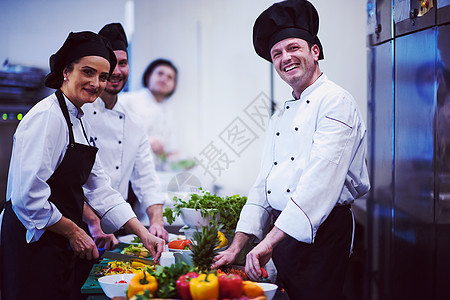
x=204 y=287
x=223 y=241
x=142 y=281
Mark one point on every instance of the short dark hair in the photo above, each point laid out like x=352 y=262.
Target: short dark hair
x=153 y=65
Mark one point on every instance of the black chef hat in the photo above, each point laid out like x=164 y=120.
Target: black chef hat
x=282 y=20
x=116 y=35
x=76 y=46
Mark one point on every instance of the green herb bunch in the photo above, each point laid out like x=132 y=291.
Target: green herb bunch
x=228 y=208
x=167 y=277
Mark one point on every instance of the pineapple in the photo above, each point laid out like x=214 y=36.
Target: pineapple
x=204 y=248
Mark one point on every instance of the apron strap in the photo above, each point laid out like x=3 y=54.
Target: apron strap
x=65 y=112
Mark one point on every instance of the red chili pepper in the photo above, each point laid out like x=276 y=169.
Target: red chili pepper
x=230 y=286
x=180 y=244
x=264 y=273
x=182 y=285
x=121 y=281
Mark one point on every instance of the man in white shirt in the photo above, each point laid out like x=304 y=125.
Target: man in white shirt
x=124 y=150
x=313 y=165
x=151 y=106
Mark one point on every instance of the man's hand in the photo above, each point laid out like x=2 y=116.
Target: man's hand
x=256 y=259
x=229 y=255
x=159 y=231
x=101 y=239
x=261 y=254
x=154 y=244
x=225 y=257
x=155 y=215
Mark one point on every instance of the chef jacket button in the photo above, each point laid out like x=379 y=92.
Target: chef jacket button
x=95 y=112
x=120 y=142
x=292 y=158
x=275 y=163
x=287 y=107
x=288 y=190
x=296 y=128
x=278 y=133
x=117 y=167
x=95 y=138
x=120 y=117
x=269 y=191
x=307 y=101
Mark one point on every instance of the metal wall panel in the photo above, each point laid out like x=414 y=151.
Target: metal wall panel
x=381 y=160
x=411 y=19
x=413 y=220
x=443 y=12
x=381 y=13
x=442 y=166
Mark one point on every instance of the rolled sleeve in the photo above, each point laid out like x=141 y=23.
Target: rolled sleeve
x=108 y=203
x=116 y=217
x=303 y=230
x=253 y=220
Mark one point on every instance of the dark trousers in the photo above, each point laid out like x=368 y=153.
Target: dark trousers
x=317 y=271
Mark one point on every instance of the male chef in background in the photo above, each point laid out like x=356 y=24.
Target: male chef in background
x=124 y=150
x=313 y=165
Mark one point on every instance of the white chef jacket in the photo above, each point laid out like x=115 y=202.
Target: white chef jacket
x=155 y=117
x=40 y=143
x=313 y=160
x=124 y=152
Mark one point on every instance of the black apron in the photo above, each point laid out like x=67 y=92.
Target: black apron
x=45 y=269
x=317 y=271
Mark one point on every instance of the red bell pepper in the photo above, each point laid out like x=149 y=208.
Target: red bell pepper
x=230 y=286
x=264 y=273
x=182 y=285
x=180 y=244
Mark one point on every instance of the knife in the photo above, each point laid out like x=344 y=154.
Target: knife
x=124 y=257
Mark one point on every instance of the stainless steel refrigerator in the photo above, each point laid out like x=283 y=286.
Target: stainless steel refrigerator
x=408 y=234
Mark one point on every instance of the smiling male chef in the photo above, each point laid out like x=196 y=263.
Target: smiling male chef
x=124 y=150
x=313 y=165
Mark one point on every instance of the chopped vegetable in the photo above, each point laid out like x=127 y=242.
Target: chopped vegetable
x=136 y=250
x=136 y=240
x=121 y=267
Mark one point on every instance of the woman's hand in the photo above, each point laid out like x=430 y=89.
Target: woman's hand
x=83 y=245
x=107 y=241
x=80 y=242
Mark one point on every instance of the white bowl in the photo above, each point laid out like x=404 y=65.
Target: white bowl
x=182 y=255
x=269 y=289
x=193 y=218
x=111 y=286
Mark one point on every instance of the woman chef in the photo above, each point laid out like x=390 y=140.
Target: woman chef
x=53 y=159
